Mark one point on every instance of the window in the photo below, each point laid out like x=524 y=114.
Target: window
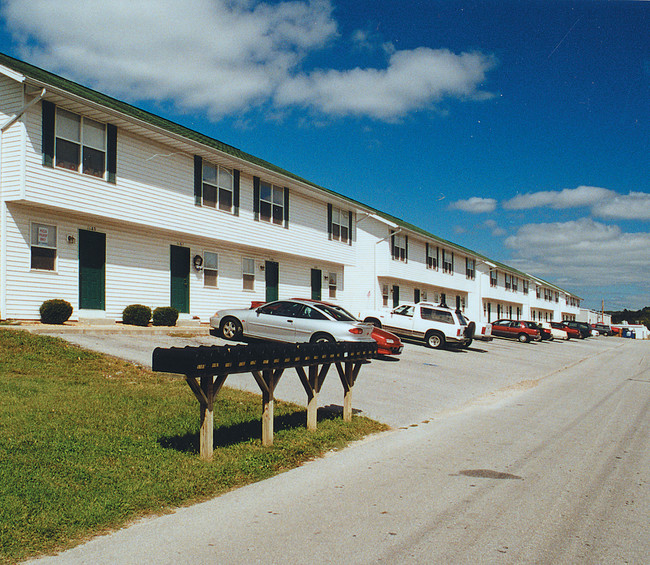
x=210 y=268
x=80 y=144
x=399 y=247
x=248 y=274
x=43 y=247
x=339 y=224
x=525 y=283
x=447 y=261
x=433 y=254
x=423 y=295
x=508 y=283
x=332 y=284
x=557 y=297
x=217 y=187
x=405 y=311
x=470 y=268
x=271 y=203
x=515 y=284
x=436 y=315
x=538 y=291
x=494 y=277
x=384 y=294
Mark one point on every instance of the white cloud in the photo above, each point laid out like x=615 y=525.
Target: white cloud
x=475 y=205
x=603 y=203
x=634 y=206
x=413 y=80
x=227 y=56
x=567 y=198
x=582 y=252
x=494 y=228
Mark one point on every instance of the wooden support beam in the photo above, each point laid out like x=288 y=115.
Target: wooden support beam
x=206 y=394
x=267 y=381
x=348 y=374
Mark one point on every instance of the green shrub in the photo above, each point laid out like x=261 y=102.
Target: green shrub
x=136 y=315
x=55 y=311
x=165 y=316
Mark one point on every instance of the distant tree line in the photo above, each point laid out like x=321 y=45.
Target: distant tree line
x=632 y=316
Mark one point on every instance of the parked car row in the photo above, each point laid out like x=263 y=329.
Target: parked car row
x=306 y=320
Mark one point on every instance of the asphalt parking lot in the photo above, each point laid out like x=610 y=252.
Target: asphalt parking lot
x=400 y=391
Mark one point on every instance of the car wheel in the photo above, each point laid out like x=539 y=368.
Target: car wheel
x=468 y=344
x=523 y=338
x=321 y=338
x=374 y=321
x=435 y=340
x=231 y=328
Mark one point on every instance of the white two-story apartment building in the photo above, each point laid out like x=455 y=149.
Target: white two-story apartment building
x=105 y=205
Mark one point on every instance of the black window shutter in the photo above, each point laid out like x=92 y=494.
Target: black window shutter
x=198 y=180
x=350 y=227
x=392 y=245
x=329 y=221
x=256 y=197
x=235 y=192
x=286 y=207
x=426 y=254
x=111 y=153
x=47 y=139
x=406 y=248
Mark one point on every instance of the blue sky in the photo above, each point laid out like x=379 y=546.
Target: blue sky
x=518 y=129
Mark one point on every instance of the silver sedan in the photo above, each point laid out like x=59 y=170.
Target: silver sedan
x=290 y=320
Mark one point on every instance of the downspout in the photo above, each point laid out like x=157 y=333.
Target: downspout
x=3 y=208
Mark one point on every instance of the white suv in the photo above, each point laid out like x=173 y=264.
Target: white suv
x=438 y=326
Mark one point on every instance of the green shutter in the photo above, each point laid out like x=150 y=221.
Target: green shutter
x=256 y=198
x=235 y=192
x=47 y=139
x=350 y=227
x=111 y=153
x=329 y=221
x=198 y=180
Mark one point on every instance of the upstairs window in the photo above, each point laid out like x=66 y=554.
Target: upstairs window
x=525 y=283
x=43 y=247
x=339 y=224
x=470 y=268
x=217 y=187
x=399 y=244
x=433 y=257
x=508 y=283
x=270 y=203
x=515 y=284
x=447 y=261
x=210 y=268
x=80 y=144
x=494 y=277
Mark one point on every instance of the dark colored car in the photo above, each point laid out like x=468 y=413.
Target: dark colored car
x=582 y=327
x=544 y=333
x=603 y=329
x=571 y=332
x=516 y=329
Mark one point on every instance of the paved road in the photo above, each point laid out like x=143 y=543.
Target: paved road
x=542 y=457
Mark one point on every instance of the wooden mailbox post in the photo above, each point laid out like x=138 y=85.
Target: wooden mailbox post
x=206 y=370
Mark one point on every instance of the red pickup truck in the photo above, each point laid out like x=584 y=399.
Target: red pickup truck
x=516 y=329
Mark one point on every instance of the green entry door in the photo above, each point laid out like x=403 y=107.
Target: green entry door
x=180 y=278
x=92 y=270
x=316 y=284
x=272 y=270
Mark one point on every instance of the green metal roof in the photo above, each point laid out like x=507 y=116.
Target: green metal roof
x=47 y=78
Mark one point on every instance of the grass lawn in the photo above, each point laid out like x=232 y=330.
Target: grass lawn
x=88 y=443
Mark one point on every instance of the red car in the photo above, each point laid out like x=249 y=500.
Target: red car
x=387 y=343
x=571 y=332
x=516 y=329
